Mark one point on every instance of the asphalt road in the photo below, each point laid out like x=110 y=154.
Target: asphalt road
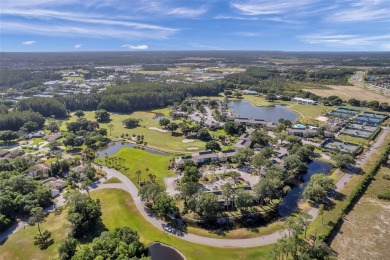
x=128 y=186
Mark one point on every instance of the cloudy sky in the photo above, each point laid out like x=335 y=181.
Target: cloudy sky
x=91 y=25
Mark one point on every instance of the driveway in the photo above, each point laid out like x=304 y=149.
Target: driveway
x=128 y=186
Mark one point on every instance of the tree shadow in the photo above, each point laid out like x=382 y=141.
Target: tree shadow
x=96 y=231
x=176 y=134
x=74 y=150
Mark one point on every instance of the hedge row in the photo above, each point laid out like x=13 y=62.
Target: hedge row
x=358 y=191
x=376 y=133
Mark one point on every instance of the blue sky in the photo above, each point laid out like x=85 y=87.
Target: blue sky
x=115 y=25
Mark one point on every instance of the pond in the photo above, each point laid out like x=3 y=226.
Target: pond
x=158 y=251
x=247 y=110
x=114 y=147
x=293 y=197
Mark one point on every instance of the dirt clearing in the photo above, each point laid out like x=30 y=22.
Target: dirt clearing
x=347 y=92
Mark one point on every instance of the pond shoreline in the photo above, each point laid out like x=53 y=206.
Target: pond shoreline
x=245 y=109
x=179 y=255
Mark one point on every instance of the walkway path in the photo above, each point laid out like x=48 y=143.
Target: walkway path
x=128 y=186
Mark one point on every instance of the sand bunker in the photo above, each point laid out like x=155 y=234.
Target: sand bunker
x=188 y=140
x=192 y=148
x=158 y=129
x=322 y=118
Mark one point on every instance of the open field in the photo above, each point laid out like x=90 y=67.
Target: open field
x=309 y=112
x=368 y=241
x=344 y=92
x=21 y=246
x=136 y=159
x=164 y=141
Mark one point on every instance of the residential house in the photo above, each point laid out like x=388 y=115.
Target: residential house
x=52 y=137
x=206 y=157
x=244 y=141
x=250 y=92
x=40 y=170
x=254 y=122
x=304 y=101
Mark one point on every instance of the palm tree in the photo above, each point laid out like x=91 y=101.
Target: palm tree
x=138 y=175
x=110 y=126
x=152 y=177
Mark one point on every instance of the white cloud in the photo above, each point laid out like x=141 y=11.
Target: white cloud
x=77 y=46
x=363 y=11
x=187 y=12
x=347 y=40
x=227 y=17
x=28 y=42
x=83 y=30
x=266 y=7
x=136 y=47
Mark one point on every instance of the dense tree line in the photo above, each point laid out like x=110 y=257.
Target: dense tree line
x=374 y=104
x=122 y=243
x=23 y=79
x=19 y=194
x=45 y=106
x=14 y=120
x=139 y=96
x=251 y=76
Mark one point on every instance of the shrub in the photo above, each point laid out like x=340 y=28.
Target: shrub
x=384 y=195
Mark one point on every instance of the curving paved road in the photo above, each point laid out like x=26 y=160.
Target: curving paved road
x=128 y=186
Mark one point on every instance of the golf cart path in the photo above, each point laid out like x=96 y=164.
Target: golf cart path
x=128 y=186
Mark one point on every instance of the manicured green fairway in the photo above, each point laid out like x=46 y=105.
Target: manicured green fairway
x=154 y=138
x=119 y=210
x=136 y=159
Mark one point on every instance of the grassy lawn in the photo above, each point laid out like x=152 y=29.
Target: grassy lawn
x=261 y=102
x=164 y=141
x=136 y=159
x=112 y=180
x=119 y=210
x=305 y=112
x=309 y=111
x=21 y=244
x=241 y=232
x=74 y=78
x=357 y=241
x=353 y=140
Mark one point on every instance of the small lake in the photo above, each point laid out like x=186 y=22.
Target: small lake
x=291 y=200
x=247 y=110
x=158 y=251
x=114 y=147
